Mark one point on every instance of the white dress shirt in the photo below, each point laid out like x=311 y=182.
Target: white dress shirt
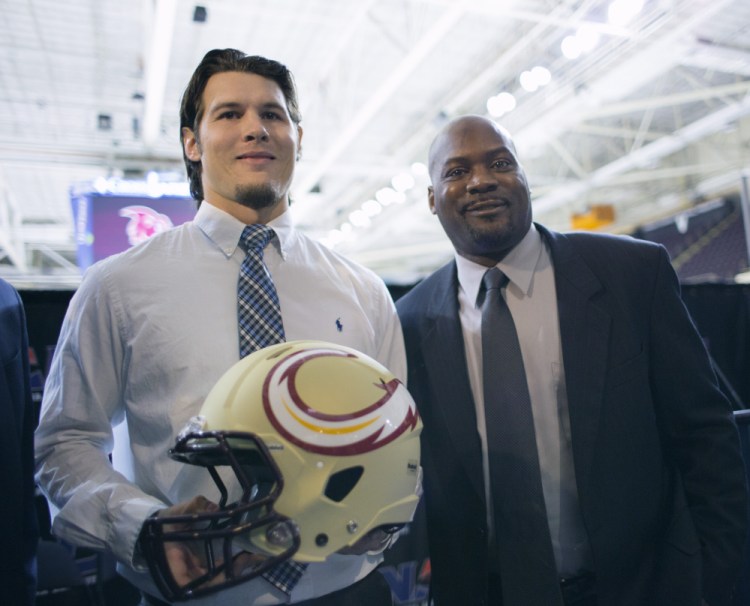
x=532 y=301
x=147 y=334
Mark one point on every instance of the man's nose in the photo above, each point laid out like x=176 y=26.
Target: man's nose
x=481 y=180
x=255 y=129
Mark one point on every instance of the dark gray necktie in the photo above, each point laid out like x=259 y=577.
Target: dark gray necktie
x=523 y=546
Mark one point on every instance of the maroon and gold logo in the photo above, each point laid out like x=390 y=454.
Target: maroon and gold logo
x=335 y=403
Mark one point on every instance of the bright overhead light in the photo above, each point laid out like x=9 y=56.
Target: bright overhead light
x=542 y=75
x=402 y=182
x=587 y=38
x=528 y=81
x=621 y=12
x=571 y=47
x=535 y=78
x=419 y=169
x=387 y=196
x=501 y=104
x=359 y=218
x=372 y=208
x=584 y=40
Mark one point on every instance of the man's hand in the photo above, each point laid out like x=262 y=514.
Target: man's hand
x=186 y=560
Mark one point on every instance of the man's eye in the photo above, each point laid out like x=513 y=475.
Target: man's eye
x=229 y=115
x=500 y=164
x=271 y=116
x=455 y=172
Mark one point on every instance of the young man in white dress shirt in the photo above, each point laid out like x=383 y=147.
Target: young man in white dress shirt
x=151 y=330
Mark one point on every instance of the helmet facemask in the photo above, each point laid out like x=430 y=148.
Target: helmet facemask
x=219 y=538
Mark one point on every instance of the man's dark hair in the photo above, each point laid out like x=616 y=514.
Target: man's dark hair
x=216 y=62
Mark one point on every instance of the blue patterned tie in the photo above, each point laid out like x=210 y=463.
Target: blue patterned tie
x=257 y=302
x=522 y=539
x=260 y=326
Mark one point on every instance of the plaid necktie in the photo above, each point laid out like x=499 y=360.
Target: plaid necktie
x=522 y=540
x=260 y=325
x=257 y=302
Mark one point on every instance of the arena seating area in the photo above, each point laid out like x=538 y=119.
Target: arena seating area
x=706 y=244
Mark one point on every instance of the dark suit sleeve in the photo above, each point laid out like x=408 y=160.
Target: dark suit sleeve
x=17 y=510
x=696 y=424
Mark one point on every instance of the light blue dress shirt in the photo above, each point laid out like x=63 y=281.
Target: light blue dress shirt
x=146 y=336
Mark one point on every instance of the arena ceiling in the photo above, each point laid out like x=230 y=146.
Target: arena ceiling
x=650 y=118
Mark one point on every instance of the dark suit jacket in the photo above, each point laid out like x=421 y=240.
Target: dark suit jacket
x=658 y=466
x=18 y=524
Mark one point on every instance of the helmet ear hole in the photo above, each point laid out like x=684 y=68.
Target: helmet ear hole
x=341 y=483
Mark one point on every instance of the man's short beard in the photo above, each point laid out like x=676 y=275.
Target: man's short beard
x=256 y=197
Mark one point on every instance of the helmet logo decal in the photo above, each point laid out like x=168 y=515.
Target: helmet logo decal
x=386 y=409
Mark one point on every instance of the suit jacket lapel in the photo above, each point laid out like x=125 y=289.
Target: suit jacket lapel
x=584 y=334
x=443 y=350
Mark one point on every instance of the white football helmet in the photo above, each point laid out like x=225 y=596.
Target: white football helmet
x=311 y=445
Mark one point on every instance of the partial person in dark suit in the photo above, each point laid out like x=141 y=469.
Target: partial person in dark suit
x=19 y=535
x=638 y=456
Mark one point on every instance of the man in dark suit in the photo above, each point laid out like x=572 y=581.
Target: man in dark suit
x=19 y=534
x=634 y=446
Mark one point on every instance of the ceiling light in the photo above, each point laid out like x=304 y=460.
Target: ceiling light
x=371 y=208
x=386 y=196
x=359 y=218
x=402 y=182
x=501 y=104
x=621 y=12
x=542 y=75
x=587 y=38
x=535 y=78
x=571 y=47
x=528 y=82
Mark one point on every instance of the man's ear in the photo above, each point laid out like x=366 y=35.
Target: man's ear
x=190 y=144
x=431 y=199
x=299 y=142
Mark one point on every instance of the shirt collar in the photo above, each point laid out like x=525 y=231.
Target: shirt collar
x=224 y=230
x=519 y=265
